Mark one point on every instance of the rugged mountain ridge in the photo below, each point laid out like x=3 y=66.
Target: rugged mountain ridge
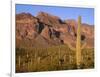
x=46 y=30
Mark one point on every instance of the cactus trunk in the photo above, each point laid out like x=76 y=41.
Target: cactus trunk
x=78 y=43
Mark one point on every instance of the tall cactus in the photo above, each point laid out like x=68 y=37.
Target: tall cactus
x=78 y=43
x=79 y=47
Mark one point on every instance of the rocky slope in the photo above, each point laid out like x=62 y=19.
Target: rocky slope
x=46 y=30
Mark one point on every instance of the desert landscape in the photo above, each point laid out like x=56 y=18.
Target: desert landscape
x=45 y=42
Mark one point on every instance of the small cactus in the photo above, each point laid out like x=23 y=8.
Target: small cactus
x=19 y=61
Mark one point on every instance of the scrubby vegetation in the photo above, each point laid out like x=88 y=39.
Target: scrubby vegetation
x=50 y=59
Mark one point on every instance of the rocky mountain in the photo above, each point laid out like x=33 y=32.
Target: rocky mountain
x=46 y=30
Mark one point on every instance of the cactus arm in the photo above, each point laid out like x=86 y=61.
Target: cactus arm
x=83 y=46
x=71 y=47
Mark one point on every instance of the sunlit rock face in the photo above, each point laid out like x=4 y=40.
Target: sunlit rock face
x=50 y=30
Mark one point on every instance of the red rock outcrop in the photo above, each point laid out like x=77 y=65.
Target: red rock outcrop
x=51 y=30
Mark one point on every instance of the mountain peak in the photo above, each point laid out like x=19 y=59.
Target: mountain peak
x=24 y=15
x=41 y=13
x=49 y=18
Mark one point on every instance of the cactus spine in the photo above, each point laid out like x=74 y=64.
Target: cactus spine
x=78 y=43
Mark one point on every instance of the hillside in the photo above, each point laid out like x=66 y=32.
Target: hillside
x=51 y=29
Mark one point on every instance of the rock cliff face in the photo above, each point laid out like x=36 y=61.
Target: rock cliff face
x=46 y=30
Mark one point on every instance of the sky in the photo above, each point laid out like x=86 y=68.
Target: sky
x=87 y=14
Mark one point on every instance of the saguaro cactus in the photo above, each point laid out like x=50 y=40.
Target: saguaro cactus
x=78 y=43
x=79 y=47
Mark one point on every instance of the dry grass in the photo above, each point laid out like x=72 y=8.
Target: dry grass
x=51 y=59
